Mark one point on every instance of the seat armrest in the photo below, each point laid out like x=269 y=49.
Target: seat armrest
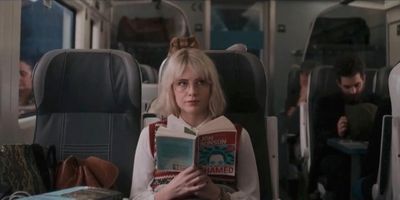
x=272 y=139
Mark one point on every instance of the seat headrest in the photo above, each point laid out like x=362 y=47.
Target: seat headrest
x=293 y=82
x=322 y=83
x=370 y=82
x=64 y=78
x=382 y=82
x=149 y=74
x=243 y=80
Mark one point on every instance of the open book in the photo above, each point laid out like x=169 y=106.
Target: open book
x=79 y=193
x=212 y=147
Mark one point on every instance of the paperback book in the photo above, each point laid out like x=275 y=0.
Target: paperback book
x=213 y=146
x=80 y=193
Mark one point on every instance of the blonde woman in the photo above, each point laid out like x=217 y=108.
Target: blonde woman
x=190 y=94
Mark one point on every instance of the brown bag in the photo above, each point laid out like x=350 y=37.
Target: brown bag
x=91 y=171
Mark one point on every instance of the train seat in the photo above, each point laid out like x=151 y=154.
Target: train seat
x=370 y=82
x=322 y=82
x=393 y=187
x=149 y=74
x=285 y=126
x=149 y=89
x=380 y=188
x=88 y=103
x=244 y=84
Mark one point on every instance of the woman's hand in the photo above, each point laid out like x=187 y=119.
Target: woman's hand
x=186 y=183
x=210 y=191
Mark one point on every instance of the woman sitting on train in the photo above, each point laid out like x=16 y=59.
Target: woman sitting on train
x=191 y=96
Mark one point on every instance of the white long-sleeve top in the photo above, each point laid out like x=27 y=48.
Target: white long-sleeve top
x=144 y=166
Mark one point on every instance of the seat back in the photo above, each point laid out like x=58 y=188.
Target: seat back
x=88 y=104
x=244 y=84
x=380 y=189
x=149 y=74
x=370 y=81
x=322 y=83
x=293 y=84
x=381 y=88
x=149 y=93
x=288 y=126
x=394 y=89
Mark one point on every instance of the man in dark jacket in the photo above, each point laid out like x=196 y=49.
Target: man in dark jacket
x=332 y=121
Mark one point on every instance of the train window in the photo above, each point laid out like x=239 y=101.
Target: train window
x=43 y=27
x=237 y=22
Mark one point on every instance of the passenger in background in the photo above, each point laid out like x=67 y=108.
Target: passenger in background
x=298 y=96
x=332 y=120
x=191 y=93
x=25 y=87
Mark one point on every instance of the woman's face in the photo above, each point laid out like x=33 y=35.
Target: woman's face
x=192 y=94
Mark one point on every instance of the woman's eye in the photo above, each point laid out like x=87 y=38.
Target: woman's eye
x=182 y=83
x=200 y=82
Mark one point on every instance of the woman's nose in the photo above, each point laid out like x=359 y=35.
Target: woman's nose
x=192 y=88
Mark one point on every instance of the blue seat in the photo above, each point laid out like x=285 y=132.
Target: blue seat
x=89 y=104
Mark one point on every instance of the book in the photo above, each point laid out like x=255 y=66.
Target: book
x=360 y=119
x=80 y=192
x=212 y=146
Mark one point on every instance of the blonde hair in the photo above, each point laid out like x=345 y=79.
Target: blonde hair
x=202 y=65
